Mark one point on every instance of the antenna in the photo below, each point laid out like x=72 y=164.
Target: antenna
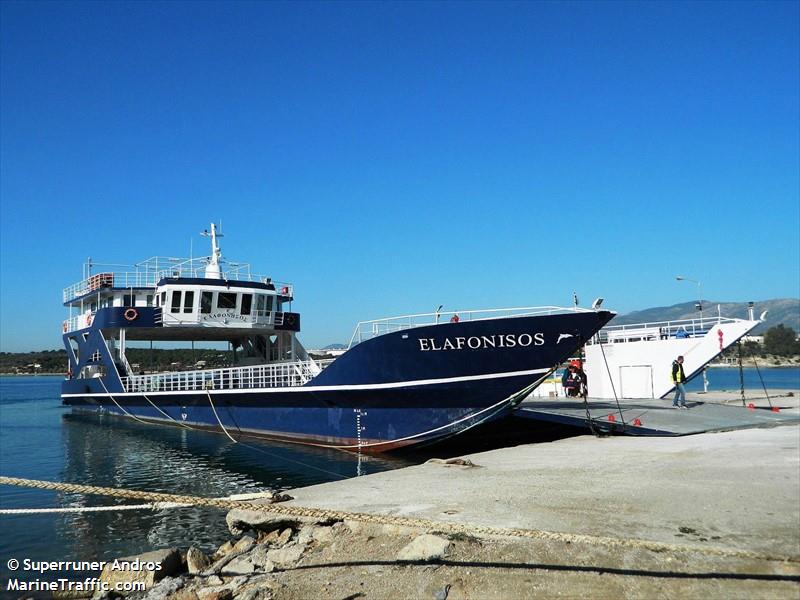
x=213 y=270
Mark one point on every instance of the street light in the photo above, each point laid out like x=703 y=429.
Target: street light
x=700 y=308
x=699 y=295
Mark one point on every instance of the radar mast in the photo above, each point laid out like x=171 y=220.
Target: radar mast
x=213 y=270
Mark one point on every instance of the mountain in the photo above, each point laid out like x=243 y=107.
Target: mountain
x=781 y=310
x=335 y=347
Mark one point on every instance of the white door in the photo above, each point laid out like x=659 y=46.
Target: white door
x=636 y=381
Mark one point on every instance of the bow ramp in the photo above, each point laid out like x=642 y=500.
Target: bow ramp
x=649 y=417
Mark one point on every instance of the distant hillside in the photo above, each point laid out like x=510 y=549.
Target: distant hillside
x=781 y=310
x=335 y=347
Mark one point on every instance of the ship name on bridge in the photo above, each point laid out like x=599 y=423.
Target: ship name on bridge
x=507 y=340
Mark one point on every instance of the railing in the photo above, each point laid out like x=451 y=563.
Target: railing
x=148 y=273
x=80 y=321
x=635 y=332
x=277 y=375
x=370 y=329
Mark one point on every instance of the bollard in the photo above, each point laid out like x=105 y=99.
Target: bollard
x=751 y=406
x=637 y=421
x=612 y=418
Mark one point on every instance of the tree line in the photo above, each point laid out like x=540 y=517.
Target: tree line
x=778 y=341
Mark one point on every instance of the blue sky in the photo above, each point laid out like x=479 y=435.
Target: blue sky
x=391 y=157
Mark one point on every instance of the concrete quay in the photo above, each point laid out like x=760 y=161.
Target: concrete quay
x=735 y=490
x=727 y=491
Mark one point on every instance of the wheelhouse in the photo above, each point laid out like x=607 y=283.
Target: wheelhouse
x=178 y=300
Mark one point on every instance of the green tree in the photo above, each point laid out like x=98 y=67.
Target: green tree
x=781 y=340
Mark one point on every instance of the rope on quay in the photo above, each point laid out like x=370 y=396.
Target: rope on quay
x=90 y=509
x=419 y=523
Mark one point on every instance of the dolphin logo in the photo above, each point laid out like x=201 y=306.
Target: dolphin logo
x=564 y=336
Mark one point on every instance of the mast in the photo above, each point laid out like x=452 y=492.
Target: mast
x=213 y=270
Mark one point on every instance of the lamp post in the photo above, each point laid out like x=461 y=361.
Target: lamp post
x=700 y=308
x=699 y=295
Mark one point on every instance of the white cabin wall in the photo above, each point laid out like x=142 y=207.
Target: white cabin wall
x=628 y=361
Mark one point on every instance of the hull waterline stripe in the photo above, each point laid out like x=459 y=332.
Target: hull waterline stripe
x=330 y=388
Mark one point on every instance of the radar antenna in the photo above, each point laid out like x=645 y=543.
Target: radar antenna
x=213 y=270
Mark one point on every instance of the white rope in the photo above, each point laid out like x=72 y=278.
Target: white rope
x=118 y=507
x=179 y=423
x=88 y=509
x=134 y=417
x=218 y=419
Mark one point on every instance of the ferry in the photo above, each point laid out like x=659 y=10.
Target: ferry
x=634 y=361
x=402 y=381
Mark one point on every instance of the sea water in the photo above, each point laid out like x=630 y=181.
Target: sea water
x=41 y=439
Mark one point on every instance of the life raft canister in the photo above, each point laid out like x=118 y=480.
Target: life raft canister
x=131 y=314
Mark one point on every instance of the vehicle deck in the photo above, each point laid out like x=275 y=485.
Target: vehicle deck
x=655 y=417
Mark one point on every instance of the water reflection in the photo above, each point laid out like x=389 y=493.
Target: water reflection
x=130 y=455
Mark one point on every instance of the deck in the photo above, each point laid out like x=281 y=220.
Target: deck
x=655 y=417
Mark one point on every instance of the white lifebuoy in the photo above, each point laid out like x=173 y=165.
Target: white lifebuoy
x=131 y=314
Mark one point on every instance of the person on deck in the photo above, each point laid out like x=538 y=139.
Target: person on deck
x=574 y=380
x=679 y=378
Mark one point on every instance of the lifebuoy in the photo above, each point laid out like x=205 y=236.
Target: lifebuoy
x=131 y=314
x=89 y=321
x=290 y=319
x=66 y=327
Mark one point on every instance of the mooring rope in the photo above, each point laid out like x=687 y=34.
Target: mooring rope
x=179 y=423
x=134 y=417
x=613 y=387
x=763 y=385
x=90 y=509
x=225 y=431
x=412 y=522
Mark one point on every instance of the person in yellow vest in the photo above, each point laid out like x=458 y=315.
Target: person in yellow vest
x=679 y=378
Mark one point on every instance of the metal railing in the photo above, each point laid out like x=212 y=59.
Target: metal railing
x=277 y=375
x=635 y=332
x=370 y=329
x=148 y=273
x=80 y=321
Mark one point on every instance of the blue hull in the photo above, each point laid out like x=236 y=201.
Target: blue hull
x=395 y=390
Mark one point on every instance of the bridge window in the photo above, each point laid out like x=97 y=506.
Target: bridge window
x=149 y=299
x=260 y=303
x=188 y=302
x=226 y=300
x=163 y=299
x=247 y=303
x=129 y=300
x=176 y=302
x=269 y=303
x=205 y=302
